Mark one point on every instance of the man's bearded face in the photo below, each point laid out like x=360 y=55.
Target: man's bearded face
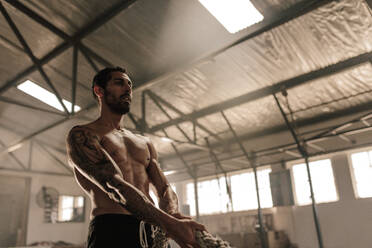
x=119 y=104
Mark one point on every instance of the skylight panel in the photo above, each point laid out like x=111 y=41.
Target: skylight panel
x=234 y=15
x=45 y=96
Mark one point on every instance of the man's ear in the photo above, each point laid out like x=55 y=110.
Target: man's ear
x=98 y=91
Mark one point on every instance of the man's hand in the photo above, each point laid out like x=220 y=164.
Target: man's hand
x=183 y=232
x=181 y=216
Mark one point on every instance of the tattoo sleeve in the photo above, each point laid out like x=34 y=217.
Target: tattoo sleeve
x=90 y=158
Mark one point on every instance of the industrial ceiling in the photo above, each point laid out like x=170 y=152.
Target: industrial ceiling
x=296 y=84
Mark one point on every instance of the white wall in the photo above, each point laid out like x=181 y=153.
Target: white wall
x=75 y=233
x=344 y=224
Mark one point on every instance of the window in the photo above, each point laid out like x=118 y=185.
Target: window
x=71 y=209
x=213 y=196
x=362 y=173
x=244 y=194
x=322 y=179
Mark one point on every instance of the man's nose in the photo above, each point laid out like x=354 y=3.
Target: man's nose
x=127 y=88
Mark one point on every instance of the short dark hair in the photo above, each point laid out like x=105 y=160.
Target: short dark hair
x=103 y=76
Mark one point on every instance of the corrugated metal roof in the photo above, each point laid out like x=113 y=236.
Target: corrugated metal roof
x=162 y=44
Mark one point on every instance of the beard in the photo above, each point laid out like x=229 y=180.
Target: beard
x=115 y=104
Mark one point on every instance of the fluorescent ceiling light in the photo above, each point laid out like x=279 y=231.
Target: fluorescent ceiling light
x=45 y=96
x=14 y=147
x=234 y=15
x=167 y=173
x=166 y=139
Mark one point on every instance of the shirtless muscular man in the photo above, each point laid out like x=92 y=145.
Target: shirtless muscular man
x=115 y=168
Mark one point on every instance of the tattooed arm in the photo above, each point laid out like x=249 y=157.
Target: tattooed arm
x=168 y=200
x=90 y=159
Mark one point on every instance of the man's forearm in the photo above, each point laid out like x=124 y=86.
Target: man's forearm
x=138 y=204
x=168 y=201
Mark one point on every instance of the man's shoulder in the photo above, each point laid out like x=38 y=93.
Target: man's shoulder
x=89 y=127
x=81 y=131
x=138 y=135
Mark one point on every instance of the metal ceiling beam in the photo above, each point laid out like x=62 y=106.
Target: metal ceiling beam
x=169 y=117
x=32 y=135
x=30 y=172
x=56 y=159
x=279 y=149
x=48 y=25
x=85 y=31
x=14 y=157
x=280 y=161
x=29 y=52
x=369 y=2
x=269 y=90
x=90 y=61
x=186 y=165
x=30 y=150
x=170 y=106
x=14 y=102
x=13 y=46
x=300 y=124
x=95 y=56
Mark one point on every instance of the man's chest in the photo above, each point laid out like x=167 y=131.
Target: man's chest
x=127 y=151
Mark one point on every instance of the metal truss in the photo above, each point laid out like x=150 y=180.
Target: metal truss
x=317 y=135
x=285 y=16
x=141 y=124
x=28 y=169
x=300 y=124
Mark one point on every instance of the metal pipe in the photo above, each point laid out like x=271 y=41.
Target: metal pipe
x=219 y=166
x=252 y=161
x=263 y=234
x=315 y=213
x=74 y=77
x=305 y=155
x=196 y=195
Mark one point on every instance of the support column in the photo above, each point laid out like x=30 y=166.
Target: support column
x=302 y=149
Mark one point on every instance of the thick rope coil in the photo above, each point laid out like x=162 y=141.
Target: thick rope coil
x=204 y=239
x=207 y=240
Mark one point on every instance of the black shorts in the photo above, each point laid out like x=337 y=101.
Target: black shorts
x=117 y=231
